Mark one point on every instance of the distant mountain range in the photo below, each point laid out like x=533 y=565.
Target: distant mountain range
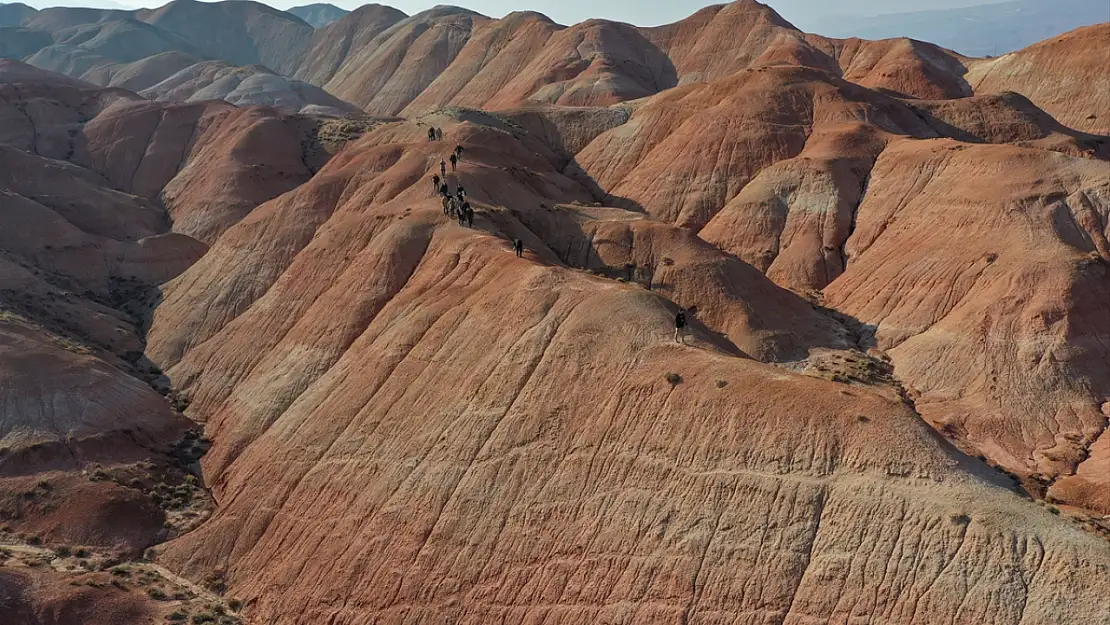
x=983 y=30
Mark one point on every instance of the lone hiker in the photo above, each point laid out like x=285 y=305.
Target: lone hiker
x=518 y=247
x=443 y=168
x=435 y=184
x=459 y=151
x=680 y=327
x=454 y=161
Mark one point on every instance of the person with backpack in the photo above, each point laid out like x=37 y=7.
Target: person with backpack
x=435 y=183
x=680 y=327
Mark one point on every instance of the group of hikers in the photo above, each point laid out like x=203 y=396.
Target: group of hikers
x=454 y=204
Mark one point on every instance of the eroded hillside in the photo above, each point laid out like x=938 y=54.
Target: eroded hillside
x=252 y=339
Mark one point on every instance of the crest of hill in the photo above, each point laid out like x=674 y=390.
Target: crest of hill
x=318 y=15
x=15 y=14
x=141 y=74
x=1065 y=76
x=239 y=32
x=251 y=85
x=333 y=45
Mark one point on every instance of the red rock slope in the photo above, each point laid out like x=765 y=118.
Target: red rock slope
x=1065 y=76
x=446 y=432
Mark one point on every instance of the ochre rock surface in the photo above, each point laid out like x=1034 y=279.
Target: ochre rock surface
x=444 y=431
x=344 y=39
x=982 y=270
x=1065 y=76
x=409 y=424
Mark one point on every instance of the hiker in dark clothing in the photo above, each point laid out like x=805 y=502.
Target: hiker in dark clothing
x=439 y=134
x=459 y=151
x=461 y=190
x=518 y=247
x=446 y=204
x=680 y=327
x=431 y=134
x=454 y=161
x=461 y=214
x=443 y=168
x=444 y=190
x=469 y=212
x=435 y=184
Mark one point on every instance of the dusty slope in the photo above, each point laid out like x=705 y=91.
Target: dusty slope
x=239 y=32
x=998 y=321
x=209 y=163
x=1065 y=76
x=387 y=73
x=792 y=220
x=95 y=51
x=345 y=39
x=244 y=86
x=141 y=74
x=42 y=112
x=684 y=153
x=76 y=259
x=401 y=383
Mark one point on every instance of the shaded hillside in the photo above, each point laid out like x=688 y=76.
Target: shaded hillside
x=15 y=13
x=215 y=80
x=333 y=45
x=318 y=15
x=239 y=32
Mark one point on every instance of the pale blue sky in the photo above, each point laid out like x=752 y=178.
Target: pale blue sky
x=803 y=13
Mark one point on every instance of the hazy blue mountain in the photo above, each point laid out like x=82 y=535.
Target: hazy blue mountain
x=988 y=29
x=15 y=14
x=320 y=14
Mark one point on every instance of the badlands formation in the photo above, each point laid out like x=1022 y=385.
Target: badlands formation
x=253 y=374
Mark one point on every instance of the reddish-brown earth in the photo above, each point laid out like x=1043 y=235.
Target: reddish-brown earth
x=891 y=270
x=1065 y=76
